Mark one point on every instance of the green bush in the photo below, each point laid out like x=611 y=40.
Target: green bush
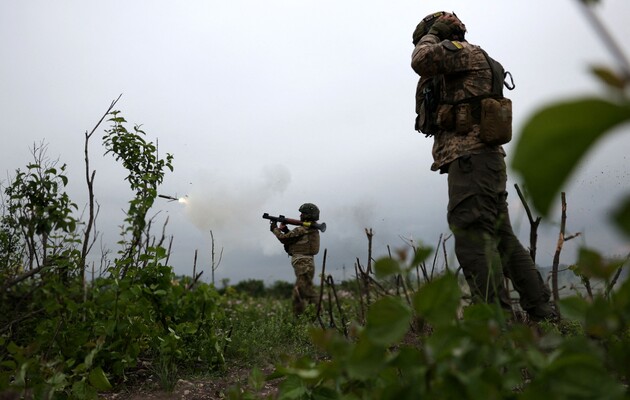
x=63 y=338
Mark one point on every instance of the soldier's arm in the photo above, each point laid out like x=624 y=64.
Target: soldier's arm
x=421 y=52
x=434 y=57
x=291 y=235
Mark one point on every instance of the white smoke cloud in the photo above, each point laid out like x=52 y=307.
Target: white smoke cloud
x=228 y=208
x=354 y=217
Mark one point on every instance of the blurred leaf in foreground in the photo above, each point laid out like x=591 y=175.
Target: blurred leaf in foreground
x=556 y=138
x=622 y=216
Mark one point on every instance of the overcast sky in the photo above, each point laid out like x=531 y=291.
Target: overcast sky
x=267 y=104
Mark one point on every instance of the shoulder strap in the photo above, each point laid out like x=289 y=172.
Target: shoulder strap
x=498 y=76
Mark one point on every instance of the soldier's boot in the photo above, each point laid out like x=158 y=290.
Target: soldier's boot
x=298 y=302
x=543 y=312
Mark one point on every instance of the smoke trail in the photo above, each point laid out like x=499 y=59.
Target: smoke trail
x=355 y=217
x=228 y=208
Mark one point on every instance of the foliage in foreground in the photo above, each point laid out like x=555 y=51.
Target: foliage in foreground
x=424 y=350
x=482 y=355
x=77 y=346
x=62 y=337
x=59 y=340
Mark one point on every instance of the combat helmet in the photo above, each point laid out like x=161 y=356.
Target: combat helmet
x=425 y=25
x=427 y=22
x=309 y=211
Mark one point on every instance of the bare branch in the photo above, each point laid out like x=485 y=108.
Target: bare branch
x=444 y=249
x=608 y=40
x=559 y=244
x=89 y=178
x=370 y=235
x=21 y=278
x=533 y=225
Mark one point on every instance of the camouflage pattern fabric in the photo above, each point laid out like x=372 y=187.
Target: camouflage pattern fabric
x=469 y=75
x=304 y=291
x=301 y=243
x=485 y=244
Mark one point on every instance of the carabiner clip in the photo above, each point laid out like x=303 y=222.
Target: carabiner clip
x=509 y=85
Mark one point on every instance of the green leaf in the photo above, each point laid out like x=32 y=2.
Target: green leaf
x=438 y=300
x=556 y=138
x=20 y=377
x=324 y=393
x=256 y=379
x=8 y=364
x=81 y=390
x=622 y=216
x=58 y=380
x=575 y=375
x=331 y=341
x=574 y=308
x=621 y=298
x=90 y=358
x=366 y=360
x=601 y=319
x=99 y=380
x=385 y=267
x=591 y=264
x=13 y=348
x=421 y=254
x=292 y=388
x=387 y=321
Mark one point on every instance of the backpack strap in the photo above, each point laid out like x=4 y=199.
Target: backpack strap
x=498 y=76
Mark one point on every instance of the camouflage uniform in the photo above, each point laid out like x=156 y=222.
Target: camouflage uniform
x=485 y=244
x=301 y=244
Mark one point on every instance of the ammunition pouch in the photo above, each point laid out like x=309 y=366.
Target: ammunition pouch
x=496 y=121
x=464 y=119
x=444 y=117
x=457 y=117
x=493 y=115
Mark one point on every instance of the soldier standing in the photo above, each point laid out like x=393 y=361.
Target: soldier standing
x=301 y=244
x=460 y=103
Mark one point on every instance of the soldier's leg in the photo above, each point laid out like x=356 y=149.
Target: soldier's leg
x=296 y=300
x=477 y=253
x=520 y=268
x=472 y=215
x=305 y=287
x=303 y=292
x=308 y=288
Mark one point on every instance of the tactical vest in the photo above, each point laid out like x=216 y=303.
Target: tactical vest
x=307 y=245
x=492 y=111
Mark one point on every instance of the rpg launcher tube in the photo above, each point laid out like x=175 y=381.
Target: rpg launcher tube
x=291 y=221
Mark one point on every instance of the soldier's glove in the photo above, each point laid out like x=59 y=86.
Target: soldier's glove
x=444 y=29
x=273 y=225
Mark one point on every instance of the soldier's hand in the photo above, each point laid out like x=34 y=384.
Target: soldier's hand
x=447 y=27
x=283 y=227
x=273 y=225
x=441 y=29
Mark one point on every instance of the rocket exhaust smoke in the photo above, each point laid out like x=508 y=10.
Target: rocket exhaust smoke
x=230 y=208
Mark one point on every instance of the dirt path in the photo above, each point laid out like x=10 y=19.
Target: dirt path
x=209 y=388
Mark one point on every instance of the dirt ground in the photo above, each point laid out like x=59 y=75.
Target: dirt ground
x=208 y=388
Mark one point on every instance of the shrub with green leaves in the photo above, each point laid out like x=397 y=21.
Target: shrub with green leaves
x=61 y=337
x=478 y=356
